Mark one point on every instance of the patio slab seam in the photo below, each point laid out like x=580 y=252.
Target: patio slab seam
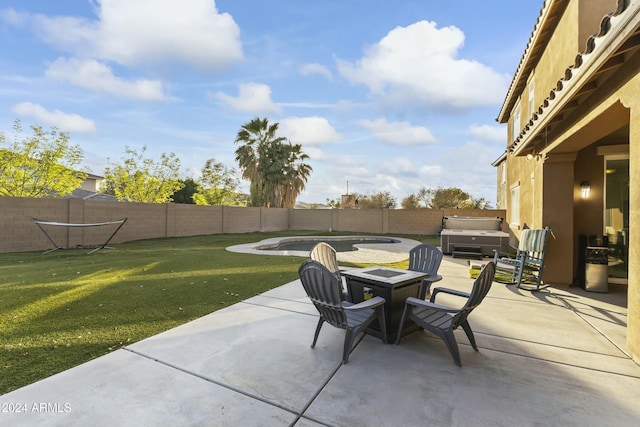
x=594 y=327
x=278 y=308
x=542 y=344
x=320 y=390
x=555 y=362
x=299 y=414
x=212 y=381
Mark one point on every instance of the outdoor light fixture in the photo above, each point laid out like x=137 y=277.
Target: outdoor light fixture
x=586 y=189
x=536 y=156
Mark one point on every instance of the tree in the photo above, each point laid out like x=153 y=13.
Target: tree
x=450 y=198
x=380 y=200
x=411 y=202
x=333 y=203
x=42 y=165
x=218 y=185
x=185 y=194
x=144 y=180
x=274 y=167
x=288 y=175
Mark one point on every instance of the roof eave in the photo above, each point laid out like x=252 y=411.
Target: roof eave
x=602 y=47
x=551 y=9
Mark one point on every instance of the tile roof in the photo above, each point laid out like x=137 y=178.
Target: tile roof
x=626 y=15
x=542 y=30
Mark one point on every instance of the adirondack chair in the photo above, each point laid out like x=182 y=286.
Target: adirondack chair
x=426 y=258
x=526 y=268
x=324 y=289
x=443 y=320
x=326 y=255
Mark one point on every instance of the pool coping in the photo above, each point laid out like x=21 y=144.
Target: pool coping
x=367 y=252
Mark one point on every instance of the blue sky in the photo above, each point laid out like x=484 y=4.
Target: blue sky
x=382 y=95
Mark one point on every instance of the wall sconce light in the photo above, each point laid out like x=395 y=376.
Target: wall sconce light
x=586 y=189
x=537 y=156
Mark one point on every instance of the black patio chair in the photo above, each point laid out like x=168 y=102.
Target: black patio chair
x=325 y=291
x=442 y=320
x=426 y=258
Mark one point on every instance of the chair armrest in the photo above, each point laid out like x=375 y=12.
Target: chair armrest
x=509 y=254
x=509 y=261
x=366 y=304
x=428 y=304
x=434 y=278
x=500 y=254
x=449 y=291
x=426 y=284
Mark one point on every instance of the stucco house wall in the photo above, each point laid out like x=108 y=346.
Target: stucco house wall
x=584 y=62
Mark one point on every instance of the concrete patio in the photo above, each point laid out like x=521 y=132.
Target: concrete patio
x=550 y=358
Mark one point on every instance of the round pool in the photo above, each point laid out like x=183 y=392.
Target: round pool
x=346 y=244
x=361 y=249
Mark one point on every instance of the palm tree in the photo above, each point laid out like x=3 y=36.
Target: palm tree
x=256 y=136
x=299 y=173
x=273 y=165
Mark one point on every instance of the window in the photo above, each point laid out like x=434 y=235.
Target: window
x=514 y=205
x=531 y=97
x=516 y=122
x=503 y=173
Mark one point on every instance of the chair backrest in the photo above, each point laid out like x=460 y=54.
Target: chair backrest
x=324 y=289
x=425 y=258
x=480 y=289
x=325 y=254
x=533 y=244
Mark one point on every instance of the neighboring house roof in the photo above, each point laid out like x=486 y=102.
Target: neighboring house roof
x=303 y=205
x=619 y=33
x=79 y=193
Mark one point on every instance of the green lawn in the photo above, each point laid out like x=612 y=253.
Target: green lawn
x=66 y=307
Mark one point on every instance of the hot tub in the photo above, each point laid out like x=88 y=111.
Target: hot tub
x=473 y=237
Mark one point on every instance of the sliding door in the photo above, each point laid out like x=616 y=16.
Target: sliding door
x=616 y=216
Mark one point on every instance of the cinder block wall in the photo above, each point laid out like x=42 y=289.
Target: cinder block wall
x=415 y=221
x=313 y=219
x=359 y=220
x=148 y=221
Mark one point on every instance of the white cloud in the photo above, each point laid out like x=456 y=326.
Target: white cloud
x=63 y=121
x=308 y=130
x=93 y=75
x=398 y=133
x=346 y=106
x=252 y=98
x=489 y=133
x=13 y=17
x=418 y=65
x=471 y=166
x=309 y=105
x=397 y=166
x=430 y=170
x=315 y=153
x=308 y=69
x=144 y=32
